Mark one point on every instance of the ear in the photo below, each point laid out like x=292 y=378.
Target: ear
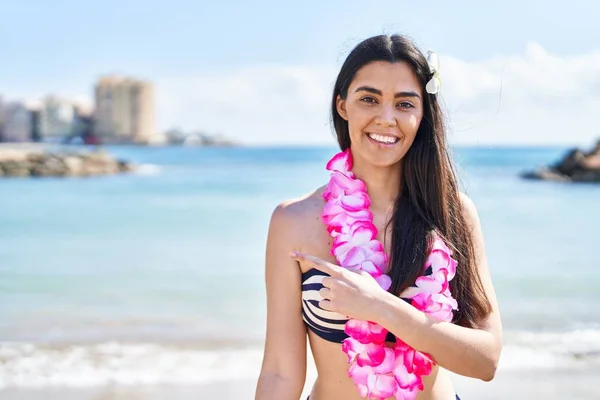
x=341 y=107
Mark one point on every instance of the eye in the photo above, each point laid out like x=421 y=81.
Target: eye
x=405 y=104
x=368 y=100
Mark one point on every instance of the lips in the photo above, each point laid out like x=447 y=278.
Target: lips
x=383 y=138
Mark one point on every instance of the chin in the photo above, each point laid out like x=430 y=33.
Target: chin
x=381 y=154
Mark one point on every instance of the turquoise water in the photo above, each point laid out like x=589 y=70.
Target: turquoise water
x=173 y=255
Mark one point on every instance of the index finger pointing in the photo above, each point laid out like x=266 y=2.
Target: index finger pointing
x=318 y=263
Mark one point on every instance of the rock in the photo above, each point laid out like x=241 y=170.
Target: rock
x=587 y=176
x=575 y=166
x=98 y=158
x=124 y=166
x=16 y=168
x=50 y=165
x=35 y=157
x=13 y=155
x=74 y=165
x=546 y=174
x=22 y=162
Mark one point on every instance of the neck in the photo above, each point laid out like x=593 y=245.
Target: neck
x=383 y=184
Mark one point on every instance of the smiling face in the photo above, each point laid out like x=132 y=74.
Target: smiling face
x=384 y=109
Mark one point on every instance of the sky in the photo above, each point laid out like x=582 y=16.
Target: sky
x=261 y=72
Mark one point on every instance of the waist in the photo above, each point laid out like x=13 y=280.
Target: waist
x=333 y=383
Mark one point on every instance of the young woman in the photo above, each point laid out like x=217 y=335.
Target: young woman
x=384 y=267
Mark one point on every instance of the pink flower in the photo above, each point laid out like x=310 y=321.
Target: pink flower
x=342 y=184
x=381 y=386
x=355 y=202
x=360 y=232
x=433 y=283
x=340 y=162
x=352 y=347
x=365 y=331
x=378 y=333
x=405 y=379
x=436 y=305
x=414 y=361
x=338 y=219
x=360 y=375
x=333 y=211
x=388 y=362
x=372 y=355
x=440 y=259
x=410 y=367
x=358 y=330
x=359 y=245
x=384 y=281
x=369 y=267
x=409 y=393
x=357 y=251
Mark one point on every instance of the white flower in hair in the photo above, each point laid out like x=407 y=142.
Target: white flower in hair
x=435 y=83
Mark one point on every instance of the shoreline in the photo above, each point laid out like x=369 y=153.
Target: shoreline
x=514 y=385
x=115 y=372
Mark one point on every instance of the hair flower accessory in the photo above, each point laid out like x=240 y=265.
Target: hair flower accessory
x=435 y=83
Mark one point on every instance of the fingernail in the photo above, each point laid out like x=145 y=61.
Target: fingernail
x=293 y=254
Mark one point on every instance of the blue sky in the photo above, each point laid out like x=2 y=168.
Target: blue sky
x=261 y=71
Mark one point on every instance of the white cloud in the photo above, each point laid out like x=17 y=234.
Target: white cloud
x=257 y=104
x=532 y=97
x=529 y=98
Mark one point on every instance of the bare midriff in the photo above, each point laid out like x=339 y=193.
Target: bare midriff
x=333 y=382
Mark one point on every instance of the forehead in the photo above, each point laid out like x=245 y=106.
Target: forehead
x=387 y=77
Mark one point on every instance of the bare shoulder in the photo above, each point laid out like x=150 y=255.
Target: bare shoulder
x=296 y=215
x=474 y=224
x=469 y=210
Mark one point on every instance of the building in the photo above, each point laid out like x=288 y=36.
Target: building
x=84 y=126
x=35 y=125
x=16 y=122
x=57 y=119
x=1 y=116
x=124 y=110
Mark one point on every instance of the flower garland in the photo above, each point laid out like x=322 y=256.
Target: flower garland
x=377 y=370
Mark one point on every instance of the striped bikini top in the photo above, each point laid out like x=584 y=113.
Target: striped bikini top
x=325 y=324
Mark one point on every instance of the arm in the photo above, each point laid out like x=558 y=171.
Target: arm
x=283 y=370
x=465 y=351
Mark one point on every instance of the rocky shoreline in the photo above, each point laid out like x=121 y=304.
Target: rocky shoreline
x=576 y=166
x=38 y=161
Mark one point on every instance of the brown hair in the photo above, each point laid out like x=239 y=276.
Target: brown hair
x=429 y=199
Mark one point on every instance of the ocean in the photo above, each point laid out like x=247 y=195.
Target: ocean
x=156 y=277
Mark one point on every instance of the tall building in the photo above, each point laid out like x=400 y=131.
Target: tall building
x=16 y=122
x=124 y=110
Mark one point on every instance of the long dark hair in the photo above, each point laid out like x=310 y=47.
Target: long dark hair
x=429 y=200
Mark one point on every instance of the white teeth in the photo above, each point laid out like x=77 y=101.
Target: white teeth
x=383 y=139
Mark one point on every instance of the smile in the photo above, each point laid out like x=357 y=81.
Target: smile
x=383 y=139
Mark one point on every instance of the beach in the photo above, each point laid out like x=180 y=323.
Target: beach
x=576 y=384
x=150 y=284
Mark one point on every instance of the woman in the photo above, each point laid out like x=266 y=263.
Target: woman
x=384 y=267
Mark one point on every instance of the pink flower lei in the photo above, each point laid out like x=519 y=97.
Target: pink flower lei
x=379 y=371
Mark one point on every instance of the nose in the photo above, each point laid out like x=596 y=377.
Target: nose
x=386 y=117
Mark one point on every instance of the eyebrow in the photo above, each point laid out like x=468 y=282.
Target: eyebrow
x=378 y=92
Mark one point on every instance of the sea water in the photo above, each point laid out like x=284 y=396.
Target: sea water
x=158 y=276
